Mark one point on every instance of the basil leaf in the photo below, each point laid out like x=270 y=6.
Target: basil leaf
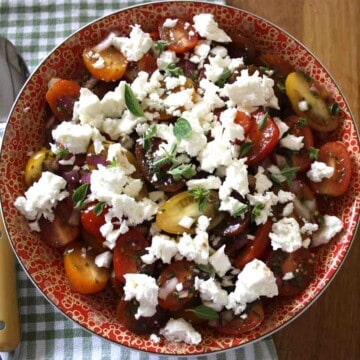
x=245 y=148
x=99 y=207
x=204 y=312
x=182 y=129
x=183 y=171
x=79 y=195
x=223 y=78
x=132 y=102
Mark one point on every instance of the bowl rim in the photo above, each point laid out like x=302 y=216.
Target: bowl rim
x=355 y=233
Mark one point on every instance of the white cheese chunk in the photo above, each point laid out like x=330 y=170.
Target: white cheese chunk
x=282 y=126
x=220 y=261
x=332 y=226
x=292 y=142
x=162 y=247
x=208 y=28
x=319 y=171
x=186 y=222
x=170 y=23
x=211 y=293
x=211 y=182
x=42 y=197
x=264 y=203
x=178 y=330
x=303 y=105
x=285 y=235
x=104 y=259
x=145 y=290
x=166 y=58
x=262 y=181
x=255 y=280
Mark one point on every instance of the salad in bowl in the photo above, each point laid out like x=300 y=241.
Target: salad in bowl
x=188 y=177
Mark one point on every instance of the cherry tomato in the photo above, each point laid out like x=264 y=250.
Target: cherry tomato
x=256 y=247
x=184 y=204
x=233 y=226
x=264 y=136
x=36 y=164
x=147 y=63
x=125 y=313
x=334 y=154
x=83 y=274
x=298 y=88
x=179 y=272
x=276 y=62
x=240 y=324
x=242 y=46
x=113 y=65
x=128 y=250
x=299 y=263
x=180 y=38
x=61 y=231
x=300 y=159
x=92 y=222
x=61 y=97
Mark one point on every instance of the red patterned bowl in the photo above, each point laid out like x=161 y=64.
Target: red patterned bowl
x=24 y=133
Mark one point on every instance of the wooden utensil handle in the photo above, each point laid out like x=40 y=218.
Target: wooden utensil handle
x=9 y=313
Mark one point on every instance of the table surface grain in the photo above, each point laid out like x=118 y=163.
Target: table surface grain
x=331 y=30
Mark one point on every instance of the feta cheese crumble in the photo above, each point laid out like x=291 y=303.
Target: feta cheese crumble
x=208 y=28
x=319 y=171
x=180 y=330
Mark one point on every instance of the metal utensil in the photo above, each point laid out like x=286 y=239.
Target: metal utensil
x=13 y=74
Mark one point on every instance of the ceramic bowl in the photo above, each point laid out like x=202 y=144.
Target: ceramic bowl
x=24 y=133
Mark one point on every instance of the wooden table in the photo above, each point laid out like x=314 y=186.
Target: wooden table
x=330 y=329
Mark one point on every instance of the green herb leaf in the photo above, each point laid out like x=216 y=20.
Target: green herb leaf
x=263 y=122
x=245 y=148
x=302 y=123
x=289 y=173
x=99 y=207
x=204 y=312
x=62 y=153
x=173 y=70
x=169 y=158
x=113 y=163
x=256 y=210
x=149 y=134
x=132 y=102
x=313 y=153
x=182 y=129
x=160 y=46
x=201 y=195
x=183 y=171
x=79 y=196
x=334 y=109
x=223 y=78
x=281 y=87
x=240 y=210
x=208 y=269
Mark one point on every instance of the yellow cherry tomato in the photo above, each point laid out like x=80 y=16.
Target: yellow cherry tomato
x=35 y=165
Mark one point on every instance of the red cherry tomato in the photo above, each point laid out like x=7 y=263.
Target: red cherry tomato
x=300 y=159
x=256 y=247
x=244 y=120
x=239 y=325
x=183 y=272
x=300 y=263
x=61 y=231
x=180 y=38
x=128 y=250
x=92 y=222
x=125 y=313
x=61 y=97
x=147 y=63
x=264 y=136
x=334 y=154
x=274 y=61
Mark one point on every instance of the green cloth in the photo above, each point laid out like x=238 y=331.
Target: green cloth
x=35 y=28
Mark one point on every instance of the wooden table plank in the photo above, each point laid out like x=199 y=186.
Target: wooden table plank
x=331 y=30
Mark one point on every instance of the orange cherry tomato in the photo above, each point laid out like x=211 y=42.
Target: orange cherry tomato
x=179 y=38
x=256 y=247
x=128 y=250
x=113 y=67
x=334 y=154
x=183 y=271
x=239 y=325
x=83 y=274
x=264 y=136
x=61 y=97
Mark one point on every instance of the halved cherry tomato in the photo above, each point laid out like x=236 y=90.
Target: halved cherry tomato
x=147 y=63
x=256 y=247
x=113 y=65
x=92 y=222
x=334 y=154
x=242 y=46
x=182 y=272
x=276 y=62
x=240 y=324
x=125 y=313
x=300 y=159
x=61 y=97
x=184 y=204
x=264 y=137
x=128 y=250
x=180 y=38
x=61 y=231
x=244 y=120
x=83 y=274
x=299 y=263
x=297 y=88
x=36 y=165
